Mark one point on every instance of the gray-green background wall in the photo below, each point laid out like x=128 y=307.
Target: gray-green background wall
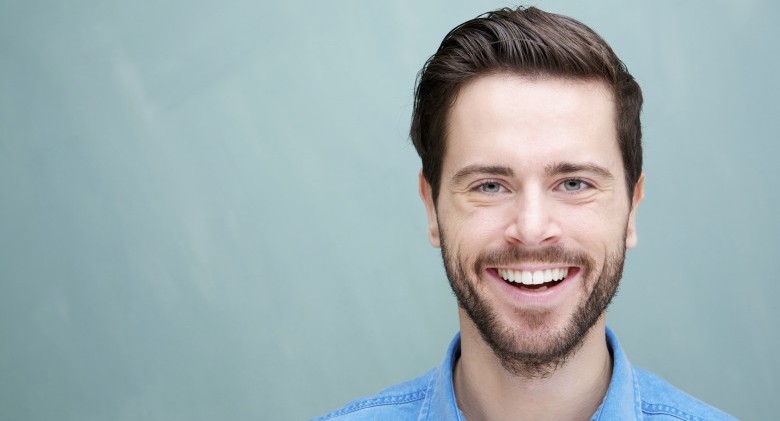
x=208 y=210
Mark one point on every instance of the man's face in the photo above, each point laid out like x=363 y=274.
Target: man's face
x=532 y=192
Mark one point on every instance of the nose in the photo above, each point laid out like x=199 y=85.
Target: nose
x=532 y=222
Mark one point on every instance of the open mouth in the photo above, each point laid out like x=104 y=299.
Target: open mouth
x=538 y=280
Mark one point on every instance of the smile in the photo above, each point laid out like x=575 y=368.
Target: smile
x=537 y=280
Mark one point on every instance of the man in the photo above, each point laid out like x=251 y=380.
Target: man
x=528 y=128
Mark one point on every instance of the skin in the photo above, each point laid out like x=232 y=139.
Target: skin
x=532 y=164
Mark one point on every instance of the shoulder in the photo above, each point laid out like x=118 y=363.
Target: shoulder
x=399 y=402
x=660 y=400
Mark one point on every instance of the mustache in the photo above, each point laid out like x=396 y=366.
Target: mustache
x=510 y=256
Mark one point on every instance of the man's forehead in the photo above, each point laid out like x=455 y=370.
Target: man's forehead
x=545 y=80
x=501 y=117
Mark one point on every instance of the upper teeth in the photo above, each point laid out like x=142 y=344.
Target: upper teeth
x=533 y=278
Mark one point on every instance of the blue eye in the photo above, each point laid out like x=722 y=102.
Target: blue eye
x=573 y=184
x=490 y=187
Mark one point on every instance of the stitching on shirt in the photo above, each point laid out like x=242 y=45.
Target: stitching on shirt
x=380 y=401
x=637 y=394
x=423 y=415
x=660 y=409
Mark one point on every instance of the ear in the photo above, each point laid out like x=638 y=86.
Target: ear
x=639 y=194
x=430 y=209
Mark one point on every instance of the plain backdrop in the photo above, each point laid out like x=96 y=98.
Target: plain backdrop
x=208 y=210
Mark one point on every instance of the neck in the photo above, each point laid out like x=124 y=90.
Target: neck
x=485 y=390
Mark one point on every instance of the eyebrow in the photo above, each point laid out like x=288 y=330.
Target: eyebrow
x=559 y=168
x=471 y=170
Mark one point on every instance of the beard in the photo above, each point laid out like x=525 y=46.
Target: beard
x=537 y=350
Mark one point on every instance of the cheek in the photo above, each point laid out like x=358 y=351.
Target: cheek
x=488 y=221
x=595 y=226
x=471 y=232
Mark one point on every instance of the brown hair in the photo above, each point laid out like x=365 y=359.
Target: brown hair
x=529 y=42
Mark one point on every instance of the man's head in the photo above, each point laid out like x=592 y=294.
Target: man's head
x=528 y=129
x=527 y=42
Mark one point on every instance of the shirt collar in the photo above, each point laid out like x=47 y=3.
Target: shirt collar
x=621 y=401
x=440 y=403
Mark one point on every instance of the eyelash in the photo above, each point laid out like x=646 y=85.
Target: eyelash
x=486 y=182
x=585 y=185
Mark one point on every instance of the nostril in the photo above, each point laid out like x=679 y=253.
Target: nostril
x=532 y=235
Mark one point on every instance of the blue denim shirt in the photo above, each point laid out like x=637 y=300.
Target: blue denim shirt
x=633 y=394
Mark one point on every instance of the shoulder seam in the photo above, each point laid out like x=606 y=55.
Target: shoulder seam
x=657 y=409
x=378 y=401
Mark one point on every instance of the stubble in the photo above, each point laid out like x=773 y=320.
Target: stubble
x=535 y=350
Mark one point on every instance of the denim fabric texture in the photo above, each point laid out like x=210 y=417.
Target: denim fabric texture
x=633 y=394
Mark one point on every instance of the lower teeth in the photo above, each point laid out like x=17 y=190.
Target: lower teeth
x=540 y=287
